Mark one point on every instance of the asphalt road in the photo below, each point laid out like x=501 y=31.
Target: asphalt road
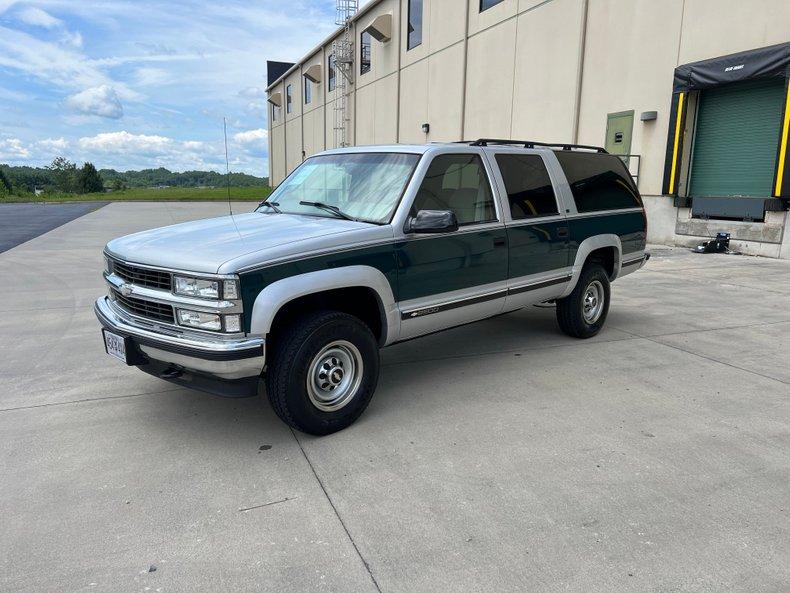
x=22 y=222
x=500 y=456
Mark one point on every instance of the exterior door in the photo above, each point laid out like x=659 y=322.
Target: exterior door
x=619 y=129
x=457 y=277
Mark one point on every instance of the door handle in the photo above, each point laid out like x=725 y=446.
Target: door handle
x=563 y=232
x=499 y=241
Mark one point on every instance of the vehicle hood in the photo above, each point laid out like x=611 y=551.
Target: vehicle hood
x=205 y=245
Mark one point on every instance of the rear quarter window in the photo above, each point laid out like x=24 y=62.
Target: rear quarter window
x=598 y=181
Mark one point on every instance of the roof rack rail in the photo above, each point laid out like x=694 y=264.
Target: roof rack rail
x=533 y=144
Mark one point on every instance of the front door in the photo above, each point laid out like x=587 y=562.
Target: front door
x=619 y=128
x=457 y=277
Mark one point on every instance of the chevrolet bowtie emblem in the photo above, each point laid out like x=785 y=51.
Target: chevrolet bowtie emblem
x=127 y=289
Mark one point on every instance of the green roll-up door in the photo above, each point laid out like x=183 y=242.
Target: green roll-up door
x=736 y=136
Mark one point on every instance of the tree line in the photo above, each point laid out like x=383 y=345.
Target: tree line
x=66 y=177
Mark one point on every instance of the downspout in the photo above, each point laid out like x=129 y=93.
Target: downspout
x=577 y=102
x=463 y=76
x=397 y=82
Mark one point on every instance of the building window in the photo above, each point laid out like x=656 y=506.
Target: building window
x=289 y=96
x=528 y=185
x=457 y=182
x=275 y=112
x=415 y=24
x=486 y=4
x=308 y=91
x=365 y=42
x=332 y=76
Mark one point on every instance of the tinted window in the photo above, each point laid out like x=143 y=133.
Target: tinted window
x=415 y=24
x=457 y=182
x=289 y=95
x=486 y=4
x=598 y=181
x=528 y=185
x=364 y=53
x=332 y=72
x=308 y=91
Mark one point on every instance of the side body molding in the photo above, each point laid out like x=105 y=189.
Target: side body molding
x=273 y=297
x=588 y=246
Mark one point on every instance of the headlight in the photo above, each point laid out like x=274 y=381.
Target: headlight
x=208 y=321
x=196 y=287
x=230 y=289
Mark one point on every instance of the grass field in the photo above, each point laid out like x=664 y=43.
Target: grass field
x=185 y=194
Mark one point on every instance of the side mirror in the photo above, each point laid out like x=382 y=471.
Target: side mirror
x=432 y=221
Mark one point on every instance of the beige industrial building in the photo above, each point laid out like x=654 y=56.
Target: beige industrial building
x=694 y=90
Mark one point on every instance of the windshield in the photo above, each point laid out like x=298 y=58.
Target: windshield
x=366 y=186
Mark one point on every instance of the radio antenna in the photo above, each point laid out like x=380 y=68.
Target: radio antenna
x=227 y=163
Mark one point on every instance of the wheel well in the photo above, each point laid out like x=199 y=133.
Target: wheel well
x=606 y=257
x=360 y=301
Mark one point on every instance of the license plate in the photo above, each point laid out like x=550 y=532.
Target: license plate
x=115 y=345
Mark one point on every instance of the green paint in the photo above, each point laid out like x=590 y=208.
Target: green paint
x=536 y=248
x=630 y=227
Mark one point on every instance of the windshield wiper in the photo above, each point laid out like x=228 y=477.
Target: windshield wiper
x=272 y=205
x=330 y=208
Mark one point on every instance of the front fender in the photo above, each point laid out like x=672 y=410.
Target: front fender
x=586 y=247
x=272 y=298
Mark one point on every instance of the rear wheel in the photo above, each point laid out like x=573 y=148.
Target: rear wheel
x=322 y=372
x=583 y=312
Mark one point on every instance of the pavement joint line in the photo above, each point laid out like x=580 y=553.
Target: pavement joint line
x=337 y=514
x=711 y=359
x=86 y=400
x=710 y=329
x=267 y=504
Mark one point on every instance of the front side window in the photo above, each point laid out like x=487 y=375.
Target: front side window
x=457 y=182
x=331 y=68
x=598 y=181
x=486 y=4
x=365 y=43
x=366 y=186
x=528 y=186
x=308 y=91
x=289 y=97
x=415 y=24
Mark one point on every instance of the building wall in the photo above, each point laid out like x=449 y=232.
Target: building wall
x=547 y=70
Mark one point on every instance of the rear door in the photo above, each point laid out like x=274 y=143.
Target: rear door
x=537 y=230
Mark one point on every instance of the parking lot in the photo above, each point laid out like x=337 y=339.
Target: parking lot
x=499 y=456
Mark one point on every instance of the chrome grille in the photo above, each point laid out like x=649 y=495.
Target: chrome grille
x=147 y=309
x=142 y=276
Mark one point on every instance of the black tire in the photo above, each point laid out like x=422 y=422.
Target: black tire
x=296 y=349
x=570 y=310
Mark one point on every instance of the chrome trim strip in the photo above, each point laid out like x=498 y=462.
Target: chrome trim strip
x=453 y=304
x=105 y=311
x=632 y=262
x=604 y=213
x=539 y=285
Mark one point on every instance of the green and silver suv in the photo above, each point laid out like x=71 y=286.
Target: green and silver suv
x=362 y=248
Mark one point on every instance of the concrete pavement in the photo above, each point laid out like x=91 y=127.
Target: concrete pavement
x=500 y=456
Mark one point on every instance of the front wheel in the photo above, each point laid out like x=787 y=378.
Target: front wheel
x=583 y=312
x=323 y=371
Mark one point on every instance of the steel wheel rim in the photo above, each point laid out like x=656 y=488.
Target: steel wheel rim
x=334 y=376
x=593 y=301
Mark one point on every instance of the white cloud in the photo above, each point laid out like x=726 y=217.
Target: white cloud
x=251 y=136
x=72 y=38
x=124 y=142
x=100 y=100
x=53 y=144
x=252 y=92
x=38 y=18
x=147 y=76
x=11 y=148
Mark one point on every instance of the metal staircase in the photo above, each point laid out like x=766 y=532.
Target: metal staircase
x=343 y=50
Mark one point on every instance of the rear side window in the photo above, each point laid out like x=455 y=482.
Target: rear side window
x=457 y=182
x=528 y=185
x=598 y=181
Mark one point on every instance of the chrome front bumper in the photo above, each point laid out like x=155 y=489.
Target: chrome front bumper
x=224 y=358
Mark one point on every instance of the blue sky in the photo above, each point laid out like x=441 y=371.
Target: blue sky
x=143 y=83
